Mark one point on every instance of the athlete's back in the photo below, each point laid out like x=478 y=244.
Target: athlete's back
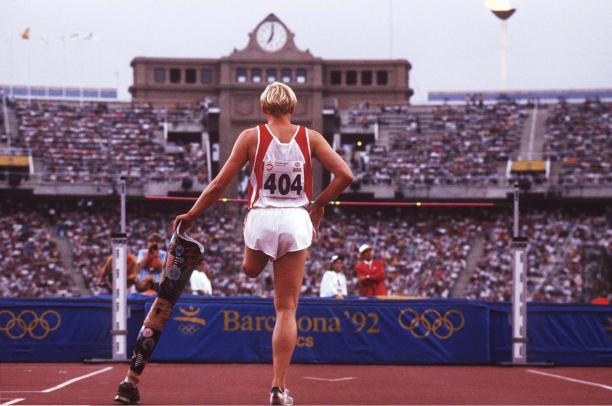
x=281 y=171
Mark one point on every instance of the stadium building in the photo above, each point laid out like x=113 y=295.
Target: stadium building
x=233 y=83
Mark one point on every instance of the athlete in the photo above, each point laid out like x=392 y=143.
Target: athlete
x=283 y=217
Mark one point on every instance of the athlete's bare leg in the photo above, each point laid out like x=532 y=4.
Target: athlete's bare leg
x=288 y=274
x=254 y=262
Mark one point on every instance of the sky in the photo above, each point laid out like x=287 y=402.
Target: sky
x=451 y=44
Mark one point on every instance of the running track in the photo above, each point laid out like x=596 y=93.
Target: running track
x=309 y=384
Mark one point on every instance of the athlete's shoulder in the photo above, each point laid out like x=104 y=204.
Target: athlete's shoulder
x=313 y=133
x=248 y=136
x=250 y=132
x=314 y=137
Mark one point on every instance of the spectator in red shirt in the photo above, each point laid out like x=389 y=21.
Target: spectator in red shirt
x=371 y=273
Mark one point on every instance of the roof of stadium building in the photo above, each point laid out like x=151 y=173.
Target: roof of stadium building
x=542 y=95
x=59 y=92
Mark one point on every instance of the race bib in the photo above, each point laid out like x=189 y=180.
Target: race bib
x=283 y=180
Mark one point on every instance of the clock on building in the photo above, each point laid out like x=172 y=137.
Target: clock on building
x=271 y=36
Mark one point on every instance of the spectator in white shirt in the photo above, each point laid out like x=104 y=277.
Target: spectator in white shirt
x=334 y=281
x=200 y=284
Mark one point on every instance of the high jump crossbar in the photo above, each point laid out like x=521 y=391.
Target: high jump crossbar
x=342 y=202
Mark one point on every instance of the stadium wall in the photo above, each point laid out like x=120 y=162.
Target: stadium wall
x=352 y=331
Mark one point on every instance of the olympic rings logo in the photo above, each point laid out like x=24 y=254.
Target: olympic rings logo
x=431 y=321
x=188 y=329
x=29 y=322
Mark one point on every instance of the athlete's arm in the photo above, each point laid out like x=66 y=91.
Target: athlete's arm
x=214 y=190
x=343 y=176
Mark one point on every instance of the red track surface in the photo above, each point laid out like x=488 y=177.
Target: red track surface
x=248 y=384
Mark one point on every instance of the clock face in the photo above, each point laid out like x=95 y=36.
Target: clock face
x=271 y=36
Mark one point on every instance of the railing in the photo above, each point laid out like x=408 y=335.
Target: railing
x=59 y=93
x=9 y=151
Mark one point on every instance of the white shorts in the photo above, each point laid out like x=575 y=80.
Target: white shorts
x=277 y=231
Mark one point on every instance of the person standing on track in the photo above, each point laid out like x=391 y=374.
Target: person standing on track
x=333 y=283
x=371 y=273
x=282 y=218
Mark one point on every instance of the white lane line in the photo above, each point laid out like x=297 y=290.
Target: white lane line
x=314 y=378
x=565 y=378
x=19 y=391
x=78 y=378
x=12 y=402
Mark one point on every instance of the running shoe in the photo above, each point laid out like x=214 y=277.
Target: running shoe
x=280 y=397
x=127 y=394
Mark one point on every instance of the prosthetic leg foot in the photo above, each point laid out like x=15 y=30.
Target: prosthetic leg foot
x=127 y=394
x=184 y=254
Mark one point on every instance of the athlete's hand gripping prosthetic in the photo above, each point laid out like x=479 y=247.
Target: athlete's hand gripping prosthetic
x=184 y=254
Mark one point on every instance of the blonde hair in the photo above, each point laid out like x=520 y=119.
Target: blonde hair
x=278 y=99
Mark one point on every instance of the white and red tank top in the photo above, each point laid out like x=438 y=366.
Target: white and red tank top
x=282 y=172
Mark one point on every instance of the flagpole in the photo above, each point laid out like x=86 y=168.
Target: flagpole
x=391 y=29
x=503 y=12
x=11 y=62
x=29 y=45
x=64 y=77
x=504 y=55
x=80 y=52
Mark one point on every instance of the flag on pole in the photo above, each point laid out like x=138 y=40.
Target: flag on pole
x=26 y=34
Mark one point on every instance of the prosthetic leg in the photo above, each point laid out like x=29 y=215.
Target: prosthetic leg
x=184 y=254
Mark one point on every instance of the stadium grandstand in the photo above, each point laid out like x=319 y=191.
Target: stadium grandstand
x=418 y=151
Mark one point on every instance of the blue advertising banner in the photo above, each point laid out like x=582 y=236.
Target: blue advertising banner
x=329 y=331
x=60 y=329
x=568 y=334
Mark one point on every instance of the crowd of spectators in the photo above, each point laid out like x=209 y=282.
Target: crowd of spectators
x=95 y=142
x=90 y=238
x=555 y=259
x=30 y=262
x=579 y=137
x=420 y=145
x=440 y=145
x=424 y=253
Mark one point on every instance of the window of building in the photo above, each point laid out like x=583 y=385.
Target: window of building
x=241 y=75
x=190 y=75
x=336 y=77
x=159 y=75
x=382 y=77
x=205 y=76
x=366 y=77
x=351 y=77
x=300 y=75
x=175 y=75
x=256 y=75
x=286 y=75
x=271 y=75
